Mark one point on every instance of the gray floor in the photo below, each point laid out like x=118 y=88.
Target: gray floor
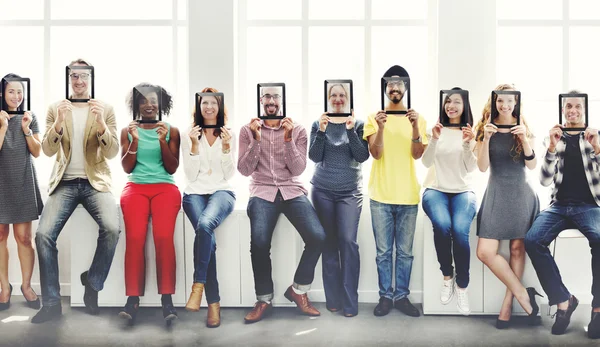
x=284 y=328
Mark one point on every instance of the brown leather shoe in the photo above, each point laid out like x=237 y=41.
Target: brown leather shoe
x=260 y=310
x=195 y=299
x=213 y=318
x=302 y=302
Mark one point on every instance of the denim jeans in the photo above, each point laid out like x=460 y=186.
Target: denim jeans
x=394 y=223
x=206 y=212
x=59 y=207
x=339 y=213
x=546 y=227
x=451 y=215
x=263 y=219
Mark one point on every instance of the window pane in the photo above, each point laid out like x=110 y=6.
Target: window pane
x=22 y=9
x=583 y=59
x=336 y=9
x=117 y=69
x=399 y=9
x=523 y=59
x=270 y=9
x=529 y=9
x=112 y=9
x=182 y=10
x=322 y=66
x=273 y=54
x=584 y=9
x=384 y=55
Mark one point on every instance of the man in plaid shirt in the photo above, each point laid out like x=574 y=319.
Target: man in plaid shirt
x=571 y=162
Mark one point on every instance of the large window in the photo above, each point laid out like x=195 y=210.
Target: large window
x=304 y=42
x=128 y=42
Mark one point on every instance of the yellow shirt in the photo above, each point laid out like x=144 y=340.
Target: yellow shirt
x=393 y=179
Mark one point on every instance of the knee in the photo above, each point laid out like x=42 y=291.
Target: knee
x=485 y=255
x=259 y=245
x=24 y=239
x=112 y=232
x=318 y=237
x=44 y=237
x=206 y=225
x=442 y=228
x=3 y=232
x=517 y=249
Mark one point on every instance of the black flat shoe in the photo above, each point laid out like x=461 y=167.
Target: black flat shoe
x=6 y=305
x=35 y=304
x=169 y=312
x=90 y=296
x=47 y=313
x=533 y=316
x=502 y=324
x=129 y=312
x=563 y=317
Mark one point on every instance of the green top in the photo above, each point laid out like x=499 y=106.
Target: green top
x=149 y=167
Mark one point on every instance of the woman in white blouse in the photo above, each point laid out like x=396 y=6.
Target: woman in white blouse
x=208 y=161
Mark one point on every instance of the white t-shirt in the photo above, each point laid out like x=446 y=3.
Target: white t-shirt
x=210 y=170
x=450 y=163
x=76 y=167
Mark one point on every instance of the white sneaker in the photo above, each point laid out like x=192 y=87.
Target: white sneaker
x=447 y=291
x=462 y=302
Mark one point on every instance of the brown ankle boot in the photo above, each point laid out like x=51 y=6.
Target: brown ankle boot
x=213 y=319
x=195 y=299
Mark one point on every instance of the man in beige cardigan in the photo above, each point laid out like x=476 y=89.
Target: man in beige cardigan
x=83 y=135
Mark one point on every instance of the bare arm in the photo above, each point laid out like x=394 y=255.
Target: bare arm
x=170 y=151
x=128 y=151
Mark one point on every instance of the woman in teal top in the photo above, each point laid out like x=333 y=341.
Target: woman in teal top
x=150 y=155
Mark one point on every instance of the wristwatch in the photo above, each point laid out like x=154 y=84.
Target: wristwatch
x=417 y=140
x=30 y=133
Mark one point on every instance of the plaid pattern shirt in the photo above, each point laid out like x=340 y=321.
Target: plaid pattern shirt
x=553 y=168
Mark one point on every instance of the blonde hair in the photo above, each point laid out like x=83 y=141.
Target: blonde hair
x=517 y=149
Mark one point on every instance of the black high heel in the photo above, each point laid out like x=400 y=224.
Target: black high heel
x=502 y=324
x=535 y=309
x=6 y=305
x=35 y=304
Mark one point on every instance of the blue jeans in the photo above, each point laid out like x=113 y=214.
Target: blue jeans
x=546 y=227
x=206 y=212
x=59 y=207
x=263 y=219
x=451 y=215
x=394 y=223
x=339 y=213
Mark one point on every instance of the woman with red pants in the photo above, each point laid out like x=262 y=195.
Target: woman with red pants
x=150 y=155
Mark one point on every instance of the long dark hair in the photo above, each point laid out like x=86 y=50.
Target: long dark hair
x=3 y=92
x=468 y=118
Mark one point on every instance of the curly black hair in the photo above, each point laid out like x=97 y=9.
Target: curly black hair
x=166 y=100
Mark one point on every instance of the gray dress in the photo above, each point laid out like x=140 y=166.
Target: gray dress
x=509 y=204
x=20 y=198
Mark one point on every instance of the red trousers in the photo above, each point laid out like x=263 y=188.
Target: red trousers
x=162 y=201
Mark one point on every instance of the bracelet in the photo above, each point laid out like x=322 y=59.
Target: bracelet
x=417 y=140
x=531 y=157
x=378 y=145
x=130 y=152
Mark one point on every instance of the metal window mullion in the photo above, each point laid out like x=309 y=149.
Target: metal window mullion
x=367 y=54
x=304 y=51
x=566 y=42
x=47 y=27
x=242 y=57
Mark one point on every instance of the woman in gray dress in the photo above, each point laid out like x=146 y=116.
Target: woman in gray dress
x=20 y=199
x=509 y=204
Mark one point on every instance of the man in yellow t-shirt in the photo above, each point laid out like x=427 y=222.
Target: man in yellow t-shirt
x=395 y=142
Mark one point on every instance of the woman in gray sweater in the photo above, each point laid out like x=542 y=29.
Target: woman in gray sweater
x=338 y=149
